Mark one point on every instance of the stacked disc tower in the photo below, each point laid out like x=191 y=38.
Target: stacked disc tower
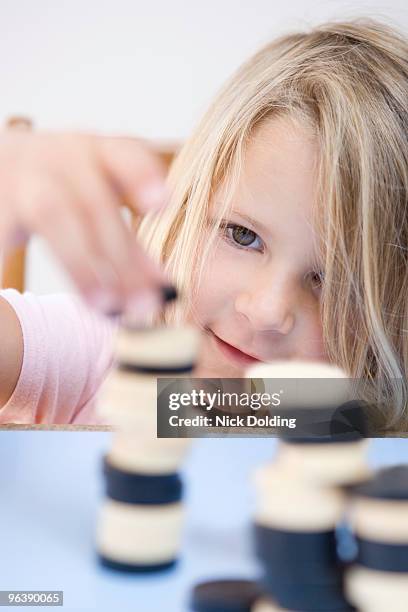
x=378 y=581
x=295 y=541
x=301 y=501
x=317 y=497
x=141 y=519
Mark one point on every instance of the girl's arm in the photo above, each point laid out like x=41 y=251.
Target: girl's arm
x=11 y=351
x=53 y=367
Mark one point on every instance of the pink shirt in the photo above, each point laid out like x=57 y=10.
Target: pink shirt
x=68 y=351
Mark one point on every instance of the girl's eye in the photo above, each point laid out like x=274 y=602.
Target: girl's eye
x=242 y=237
x=317 y=279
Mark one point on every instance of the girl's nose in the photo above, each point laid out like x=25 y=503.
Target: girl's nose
x=268 y=308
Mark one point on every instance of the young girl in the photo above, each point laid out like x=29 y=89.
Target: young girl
x=286 y=231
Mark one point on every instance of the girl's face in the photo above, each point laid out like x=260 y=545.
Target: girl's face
x=260 y=293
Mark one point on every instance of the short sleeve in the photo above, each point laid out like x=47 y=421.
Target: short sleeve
x=68 y=351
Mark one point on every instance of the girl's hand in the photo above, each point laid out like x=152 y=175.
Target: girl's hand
x=68 y=187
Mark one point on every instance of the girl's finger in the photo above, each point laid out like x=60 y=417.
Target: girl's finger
x=137 y=173
x=113 y=238
x=53 y=213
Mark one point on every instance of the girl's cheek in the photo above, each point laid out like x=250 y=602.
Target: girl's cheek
x=219 y=284
x=232 y=268
x=213 y=293
x=317 y=348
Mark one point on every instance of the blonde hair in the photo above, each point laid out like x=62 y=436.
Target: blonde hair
x=348 y=81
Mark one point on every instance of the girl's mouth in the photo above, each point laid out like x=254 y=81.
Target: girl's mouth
x=233 y=353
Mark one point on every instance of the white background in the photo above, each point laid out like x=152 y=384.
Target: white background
x=145 y=68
